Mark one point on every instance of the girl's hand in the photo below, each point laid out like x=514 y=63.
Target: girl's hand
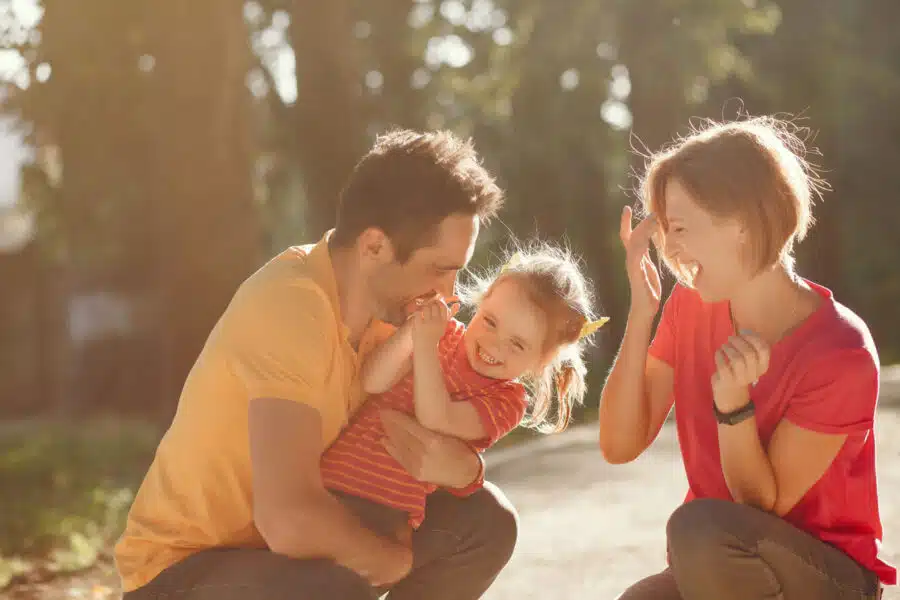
x=430 y=323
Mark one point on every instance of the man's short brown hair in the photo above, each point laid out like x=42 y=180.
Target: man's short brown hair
x=411 y=181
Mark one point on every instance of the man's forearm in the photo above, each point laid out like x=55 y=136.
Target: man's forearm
x=325 y=528
x=471 y=474
x=747 y=469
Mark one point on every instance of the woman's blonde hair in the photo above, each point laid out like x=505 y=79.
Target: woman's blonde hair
x=552 y=278
x=754 y=170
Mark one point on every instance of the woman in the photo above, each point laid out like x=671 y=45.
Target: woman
x=774 y=382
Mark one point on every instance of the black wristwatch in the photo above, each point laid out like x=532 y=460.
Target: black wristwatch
x=736 y=416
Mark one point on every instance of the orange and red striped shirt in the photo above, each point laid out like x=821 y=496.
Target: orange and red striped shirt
x=357 y=463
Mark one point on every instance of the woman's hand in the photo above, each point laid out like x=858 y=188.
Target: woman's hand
x=740 y=362
x=643 y=277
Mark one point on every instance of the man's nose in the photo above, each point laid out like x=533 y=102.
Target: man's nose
x=447 y=285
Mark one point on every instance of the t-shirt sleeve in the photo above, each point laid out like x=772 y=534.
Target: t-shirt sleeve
x=837 y=394
x=279 y=341
x=501 y=409
x=452 y=337
x=663 y=344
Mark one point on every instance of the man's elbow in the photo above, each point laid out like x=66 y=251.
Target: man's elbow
x=293 y=533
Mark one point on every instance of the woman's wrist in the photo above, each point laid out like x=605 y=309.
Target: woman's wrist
x=640 y=321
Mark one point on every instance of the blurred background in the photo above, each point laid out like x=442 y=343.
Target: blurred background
x=154 y=153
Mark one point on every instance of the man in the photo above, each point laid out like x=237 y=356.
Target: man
x=233 y=505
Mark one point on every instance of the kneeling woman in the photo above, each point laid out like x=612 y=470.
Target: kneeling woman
x=774 y=382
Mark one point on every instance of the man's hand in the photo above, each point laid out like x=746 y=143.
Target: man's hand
x=390 y=566
x=428 y=456
x=293 y=511
x=740 y=362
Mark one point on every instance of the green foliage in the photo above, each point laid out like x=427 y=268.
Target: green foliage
x=67 y=489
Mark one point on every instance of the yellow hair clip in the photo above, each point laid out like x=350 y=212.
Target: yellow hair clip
x=592 y=326
x=514 y=261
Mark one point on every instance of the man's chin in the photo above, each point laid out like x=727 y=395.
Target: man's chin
x=394 y=320
x=396 y=316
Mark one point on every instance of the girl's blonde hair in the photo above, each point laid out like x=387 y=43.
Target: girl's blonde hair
x=753 y=170
x=552 y=278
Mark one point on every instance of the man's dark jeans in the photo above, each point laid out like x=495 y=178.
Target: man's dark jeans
x=458 y=551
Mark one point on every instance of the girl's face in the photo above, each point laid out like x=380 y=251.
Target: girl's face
x=711 y=249
x=505 y=338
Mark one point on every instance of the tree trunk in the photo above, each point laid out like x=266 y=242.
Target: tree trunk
x=328 y=116
x=206 y=228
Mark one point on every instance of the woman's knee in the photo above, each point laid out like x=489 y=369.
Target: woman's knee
x=697 y=530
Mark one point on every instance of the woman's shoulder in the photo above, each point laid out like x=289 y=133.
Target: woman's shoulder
x=837 y=339
x=836 y=328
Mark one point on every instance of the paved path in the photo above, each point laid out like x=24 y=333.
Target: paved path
x=589 y=529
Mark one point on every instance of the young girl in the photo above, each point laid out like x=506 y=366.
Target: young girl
x=774 y=382
x=469 y=382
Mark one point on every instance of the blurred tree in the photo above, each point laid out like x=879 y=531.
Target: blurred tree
x=834 y=66
x=208 y=236
x=328 y=123
x=140 y=111
x=150 y=143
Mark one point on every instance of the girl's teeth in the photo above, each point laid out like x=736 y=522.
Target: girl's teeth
x=488 y=359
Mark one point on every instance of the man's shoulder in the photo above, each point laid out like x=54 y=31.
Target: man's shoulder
x=286 y=290
x=292 y=270
x=291 y=263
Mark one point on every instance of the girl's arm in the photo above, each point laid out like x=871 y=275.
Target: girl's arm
x=434 y=407
x=388 y=363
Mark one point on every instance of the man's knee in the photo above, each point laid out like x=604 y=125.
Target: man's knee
x=499 y=521
x=697 y=530
x=485 y=522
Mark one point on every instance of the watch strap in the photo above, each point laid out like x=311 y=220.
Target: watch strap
x=735 y=416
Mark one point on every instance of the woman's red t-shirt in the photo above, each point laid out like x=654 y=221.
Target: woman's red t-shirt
x=823 y=377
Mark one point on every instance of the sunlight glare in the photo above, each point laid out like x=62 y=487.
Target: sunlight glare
x=450 y=50
x=616 y=114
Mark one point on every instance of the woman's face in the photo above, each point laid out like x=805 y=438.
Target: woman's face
x=710 y=248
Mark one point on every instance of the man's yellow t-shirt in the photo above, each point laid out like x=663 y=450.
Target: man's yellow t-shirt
x=281 y=336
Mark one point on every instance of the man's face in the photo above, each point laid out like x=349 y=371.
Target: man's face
x=429 y=270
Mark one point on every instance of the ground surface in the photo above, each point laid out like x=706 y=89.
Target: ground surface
x=588 y=529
